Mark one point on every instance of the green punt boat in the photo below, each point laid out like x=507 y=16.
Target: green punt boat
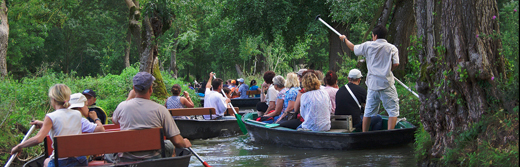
x=260 y=132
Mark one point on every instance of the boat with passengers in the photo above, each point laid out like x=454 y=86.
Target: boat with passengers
x=339 y=137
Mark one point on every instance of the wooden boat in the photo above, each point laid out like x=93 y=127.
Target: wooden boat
x=182 y=160
x=247 y=102
x=334 y=139
x=205 y=129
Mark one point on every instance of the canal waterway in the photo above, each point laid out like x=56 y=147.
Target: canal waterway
x=241 y=151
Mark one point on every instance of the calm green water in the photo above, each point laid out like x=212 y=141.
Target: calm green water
x=240 y=151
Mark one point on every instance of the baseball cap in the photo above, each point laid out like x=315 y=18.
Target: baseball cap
x=300 y=72
x=355 y=74
x=89 y=92
x=143 y=80
x=240 y=79
x=77 y=100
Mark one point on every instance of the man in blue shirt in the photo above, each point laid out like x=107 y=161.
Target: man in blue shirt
x=242 y=89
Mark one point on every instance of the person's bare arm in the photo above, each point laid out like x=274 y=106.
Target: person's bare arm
x=46 y=126
x=186 y=100
x=208 y=85
x=297 y=102
x=271 y=106
x=99 y=125
x=394 y=66
x=131 y=95
x=278 y=108
x=350 y=45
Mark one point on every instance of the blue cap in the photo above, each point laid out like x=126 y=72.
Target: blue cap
x=143 y=80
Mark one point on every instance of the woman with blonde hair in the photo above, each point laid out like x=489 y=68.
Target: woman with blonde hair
x=292 y=84
x=315 y=105
x=62 y=121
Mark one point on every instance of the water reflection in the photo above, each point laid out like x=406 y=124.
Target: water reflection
x=240 y=151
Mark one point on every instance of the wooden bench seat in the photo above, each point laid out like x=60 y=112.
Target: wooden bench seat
x=108 y=142
x=200 y=111
x=251 y=93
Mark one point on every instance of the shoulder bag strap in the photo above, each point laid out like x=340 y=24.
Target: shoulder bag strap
x=352 y=94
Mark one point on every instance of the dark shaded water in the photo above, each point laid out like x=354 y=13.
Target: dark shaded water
x=240 y=151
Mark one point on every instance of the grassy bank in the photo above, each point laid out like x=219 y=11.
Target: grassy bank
x=24 y=100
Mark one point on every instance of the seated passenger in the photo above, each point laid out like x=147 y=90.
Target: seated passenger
x=254 y=87
x=91 y=97
x=331 y=87
x=293 y=86
x=279 y=85
x=242 y=89
x=62 y=121
x=315 y=105
x=79 y=102
x=139 y=112
x=215 y=100
x=346 y=105
x=177 y=101
x=267 y=102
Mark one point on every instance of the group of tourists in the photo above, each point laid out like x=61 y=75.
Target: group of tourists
x=303 y=100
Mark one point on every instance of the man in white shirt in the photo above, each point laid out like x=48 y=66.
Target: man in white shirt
x=215 y=100
x=382 y=57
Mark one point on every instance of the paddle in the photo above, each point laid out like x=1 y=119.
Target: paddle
x=200 y=159
x=237 y=116
x=407 y=88
x=265 y=124
x=24 y=138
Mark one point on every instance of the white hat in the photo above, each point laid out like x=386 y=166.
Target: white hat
x=355 y=74
x=240 y=79
x=77 y=100
x=300 y=72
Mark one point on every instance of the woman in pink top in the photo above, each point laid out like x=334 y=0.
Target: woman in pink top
x=331 y=87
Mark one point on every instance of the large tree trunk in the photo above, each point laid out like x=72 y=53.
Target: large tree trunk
x=147 y=47
x=400 y=30
x=127 y=49
x=457 y=66
x=385 y=14
x=4 y=37
x=134 y=28
x=337 y=47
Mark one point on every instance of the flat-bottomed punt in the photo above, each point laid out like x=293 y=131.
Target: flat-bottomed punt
x=333 y=139
x=205 y=129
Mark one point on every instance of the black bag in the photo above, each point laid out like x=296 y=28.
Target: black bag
x=290 y=115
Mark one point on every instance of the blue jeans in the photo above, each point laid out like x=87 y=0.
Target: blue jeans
x=71 y=161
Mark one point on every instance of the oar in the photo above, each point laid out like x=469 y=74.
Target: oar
x=237 y=116
x=333 y=30
x=24 y=138
x=407 y=88
x=200 y=159
x=263 y=123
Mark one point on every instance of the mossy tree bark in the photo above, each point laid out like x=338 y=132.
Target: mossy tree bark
x=459 y=64
x=402 y=26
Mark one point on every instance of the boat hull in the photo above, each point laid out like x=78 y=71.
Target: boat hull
x=248 y=102
x=181 y=160
x=205 y=129
x=329 y=140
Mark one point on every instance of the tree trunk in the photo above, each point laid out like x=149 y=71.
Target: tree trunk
x=457 y=66
x=147 y=47
x=159 y=89
x=387 y=9
x=399 y=32
x=337 y=48
x=127 y=49
x=173 y=59
x=4 y=39
x=239 y=72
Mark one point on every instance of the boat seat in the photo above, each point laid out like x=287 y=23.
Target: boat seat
x=109 y=142
x=341 y=122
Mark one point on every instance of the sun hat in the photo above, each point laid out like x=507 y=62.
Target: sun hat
x=355 y=74
x=143 y=80
x=77 y=100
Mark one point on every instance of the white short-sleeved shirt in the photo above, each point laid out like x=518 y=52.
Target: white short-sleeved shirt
x=315 y=109
x=272 y=93
x=215 y=100
x=380 y=56
x=87 y=126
